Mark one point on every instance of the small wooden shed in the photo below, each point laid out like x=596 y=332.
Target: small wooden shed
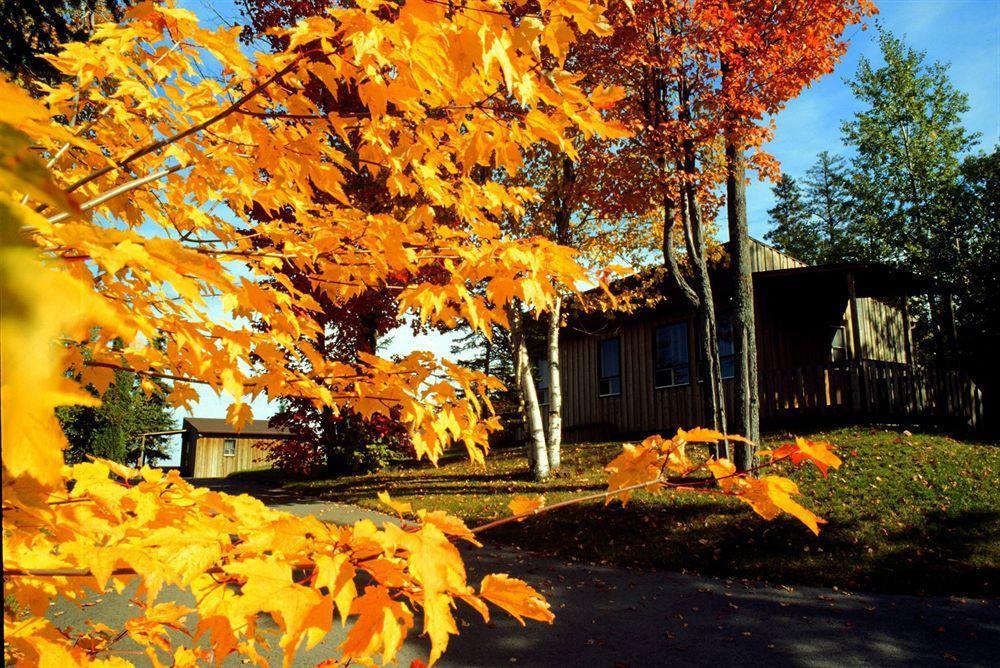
x=212 y=448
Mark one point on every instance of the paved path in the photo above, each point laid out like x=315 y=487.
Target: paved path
x=620 y=617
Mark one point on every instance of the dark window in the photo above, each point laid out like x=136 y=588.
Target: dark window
x=542 y=375
x=838 y=344
x=611 y=368
x=671 y=365
x=727 y=358
x=229 y=447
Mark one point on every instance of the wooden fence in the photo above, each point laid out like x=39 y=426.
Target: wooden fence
x=872 y=390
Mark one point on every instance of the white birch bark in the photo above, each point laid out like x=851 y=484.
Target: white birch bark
x=555 y=388
x=537 y=452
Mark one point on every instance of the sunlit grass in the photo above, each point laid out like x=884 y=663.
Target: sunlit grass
x=914 y=513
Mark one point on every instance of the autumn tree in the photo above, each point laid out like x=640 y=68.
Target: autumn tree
x=138 y=224
x=597 y=204
x=650 y=57
x=767 y=53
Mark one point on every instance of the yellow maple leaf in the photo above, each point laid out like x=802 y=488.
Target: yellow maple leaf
x=770 y=495
x=636 y=464
x=401 y=507
x=382 y=624
x=336 y=574
x=449 y=524
x=703 y=435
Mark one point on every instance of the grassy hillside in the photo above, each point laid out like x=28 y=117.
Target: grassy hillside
x=910 y=513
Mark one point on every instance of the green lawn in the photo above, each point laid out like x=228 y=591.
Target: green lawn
x=917 y=514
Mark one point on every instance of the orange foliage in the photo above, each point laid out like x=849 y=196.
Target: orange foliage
x=128 y=202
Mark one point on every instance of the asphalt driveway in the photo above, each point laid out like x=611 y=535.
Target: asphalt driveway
x=622 y=617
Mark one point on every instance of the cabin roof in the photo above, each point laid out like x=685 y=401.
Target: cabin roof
x=871 y=279
x=220 y=427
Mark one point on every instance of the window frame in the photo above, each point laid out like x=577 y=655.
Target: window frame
x=845 y=357
x=601 y=378
x=728 y=318
x=686 y=324
x=543 y=383
x=225 y=443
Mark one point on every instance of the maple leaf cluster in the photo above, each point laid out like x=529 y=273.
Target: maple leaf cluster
x=659 y=464
x=225 y=215
x=240 y=559
x=139 y=195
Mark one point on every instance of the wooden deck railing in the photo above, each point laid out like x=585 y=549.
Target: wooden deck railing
x=869 y=389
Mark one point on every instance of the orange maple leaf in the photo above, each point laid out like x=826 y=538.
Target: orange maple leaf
x=523 y=505
x=516 y=597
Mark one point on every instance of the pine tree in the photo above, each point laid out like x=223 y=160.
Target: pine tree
x=114 y=429
x=792 y=230
x=828 y=200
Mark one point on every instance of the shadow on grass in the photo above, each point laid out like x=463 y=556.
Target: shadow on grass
x=721 y=539
x=943 y=553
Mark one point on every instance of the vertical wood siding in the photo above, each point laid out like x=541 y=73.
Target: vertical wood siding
x=641 y=407
x=209 y=462
x=882 y=333
x=766 y=258
x=790 y=337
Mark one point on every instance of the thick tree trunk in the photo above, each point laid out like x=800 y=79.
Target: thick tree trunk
x=555 y=388
x=538 y=457
x=746 y=409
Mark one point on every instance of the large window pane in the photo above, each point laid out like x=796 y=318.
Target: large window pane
x=610 y=367
x=671 y=365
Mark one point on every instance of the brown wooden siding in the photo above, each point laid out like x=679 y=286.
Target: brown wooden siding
x=882 y=333
x=210 y=462
x=766 y=258
x=794 y=358
x=641 y=407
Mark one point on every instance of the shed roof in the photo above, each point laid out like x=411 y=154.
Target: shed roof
x=221 y=427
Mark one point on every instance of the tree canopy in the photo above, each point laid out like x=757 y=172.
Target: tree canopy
x=173 y=210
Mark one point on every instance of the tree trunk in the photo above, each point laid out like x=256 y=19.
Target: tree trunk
x=562 y=221
x=713 y=397
x=537 y=452
x=555 y=388
x=515 y=336
x=746 y=407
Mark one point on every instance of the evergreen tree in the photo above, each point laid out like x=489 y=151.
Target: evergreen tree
x=114 y=429
x=976 y=208
x=792 y=231
x=828 y=200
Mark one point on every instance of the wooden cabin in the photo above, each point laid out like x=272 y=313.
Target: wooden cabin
x=833 y=341
x=212 y=448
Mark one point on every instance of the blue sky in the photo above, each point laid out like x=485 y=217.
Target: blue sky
x=964 y=33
